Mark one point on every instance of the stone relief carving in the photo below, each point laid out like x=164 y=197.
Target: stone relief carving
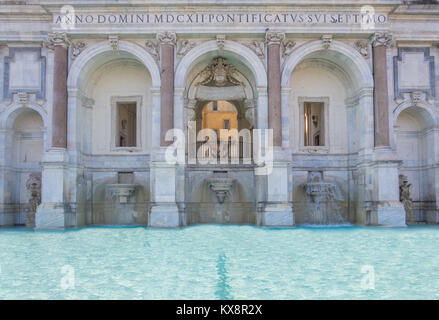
x=77 y=48
x=257 y=47
x=363 y=48
x=417 y=97
x=167 y=37
x=287 y=48
x=404 y=195
x=114 y=43
x=219 y=73
x=184 y=46
x=153 y=48
x=55 y=39
x=327 y=41
x=220 y=39
x=23 y=98
x=272 y=37
x=33 y=185
x=384 y=38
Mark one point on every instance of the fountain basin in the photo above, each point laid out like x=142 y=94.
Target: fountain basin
x=319 y=191
x=121 y=191
x=221 y=187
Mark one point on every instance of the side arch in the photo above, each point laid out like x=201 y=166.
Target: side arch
x=11 y=114
x=357 y=65
x=81 y=65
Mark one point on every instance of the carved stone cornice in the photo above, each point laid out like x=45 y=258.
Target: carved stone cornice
x=382 y=38
x=56 y=39
x=272 y=37
x=167 y=37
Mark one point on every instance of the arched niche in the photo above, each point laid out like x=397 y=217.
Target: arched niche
x=415 y=146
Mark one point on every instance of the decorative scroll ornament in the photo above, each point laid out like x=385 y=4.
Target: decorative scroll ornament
x=272 y=37
x=363 y=48
x=114 y=43
x=167 y=37
x=153 y=48
x=327 y=41
x=382 y=39
x=287 y=48
x=184 y=46
x=56 y=39
x=220 y=39
x=219 y=74
x=77 y=48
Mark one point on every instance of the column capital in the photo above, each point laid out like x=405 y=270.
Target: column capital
x=382 y=38
x=56 y=39
x=272 y=37
x=167 y=37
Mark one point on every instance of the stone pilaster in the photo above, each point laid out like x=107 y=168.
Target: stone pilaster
x=380 y=42
x=58 y=42
x=274 y=40
x=167 y=42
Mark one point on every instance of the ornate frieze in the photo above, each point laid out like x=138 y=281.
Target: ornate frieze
x=56 y=39
x=272 y=37
x=77 y=48
x=383 y=38
x=363 y=48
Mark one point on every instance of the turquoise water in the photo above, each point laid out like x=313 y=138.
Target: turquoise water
x=220 y=262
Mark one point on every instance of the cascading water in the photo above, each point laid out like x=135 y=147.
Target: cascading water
x=322 y=206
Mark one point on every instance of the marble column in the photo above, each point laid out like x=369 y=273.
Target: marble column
x=59 y=43
x=167 y=42
x=274 y=40
x=380 y=42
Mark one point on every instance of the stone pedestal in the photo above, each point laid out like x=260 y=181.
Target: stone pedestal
x=387 y=210
x=278 y=211
x=164 y=211
x=50 y=213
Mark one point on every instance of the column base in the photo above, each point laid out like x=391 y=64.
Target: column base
x=278 y=215
x=50 y=216
x=164 y=216
x=389 y=214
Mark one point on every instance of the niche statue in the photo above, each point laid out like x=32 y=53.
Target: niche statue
x=404 y=196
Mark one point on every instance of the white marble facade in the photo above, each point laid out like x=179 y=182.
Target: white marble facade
x=118 y=53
